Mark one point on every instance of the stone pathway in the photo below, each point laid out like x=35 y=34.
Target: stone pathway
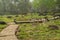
x=9 y=33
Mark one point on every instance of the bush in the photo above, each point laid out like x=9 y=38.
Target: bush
x=53 y=27
x=2 y=22
x=9 y=16
x=57 y=14
x=16 y=16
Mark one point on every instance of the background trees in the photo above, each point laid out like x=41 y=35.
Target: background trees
x=14 y=6
x=44 y=5
x=58 y=5
x=26 y=6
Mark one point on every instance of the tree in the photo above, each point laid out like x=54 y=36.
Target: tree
x=44 y=5
x=58 y=5
x=15 y=6
x=24 y=6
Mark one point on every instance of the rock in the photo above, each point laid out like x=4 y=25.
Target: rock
x=46 y=18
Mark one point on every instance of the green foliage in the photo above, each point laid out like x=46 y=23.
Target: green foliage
x=44 y=5
x=14 y=6
x=31 y=16
x=4 y=18
x=58 y=1
x=47 y=3
x=2 y=27
x=39 y=31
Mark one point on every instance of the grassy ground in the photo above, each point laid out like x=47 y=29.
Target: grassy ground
x=39 y=31
x=34 y=31
x=4 y=18
x=29 y=16
x=2 y=27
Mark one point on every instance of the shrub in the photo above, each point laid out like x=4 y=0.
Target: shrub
x=2 y=22
x=53 y=27
x=57 y=14
x=16 y=16
x=9 y=16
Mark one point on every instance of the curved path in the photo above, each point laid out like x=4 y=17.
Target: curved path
x=9 y=33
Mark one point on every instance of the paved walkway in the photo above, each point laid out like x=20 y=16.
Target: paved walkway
x=9 y=33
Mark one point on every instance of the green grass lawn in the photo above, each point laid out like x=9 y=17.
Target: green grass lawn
x=39 y=31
